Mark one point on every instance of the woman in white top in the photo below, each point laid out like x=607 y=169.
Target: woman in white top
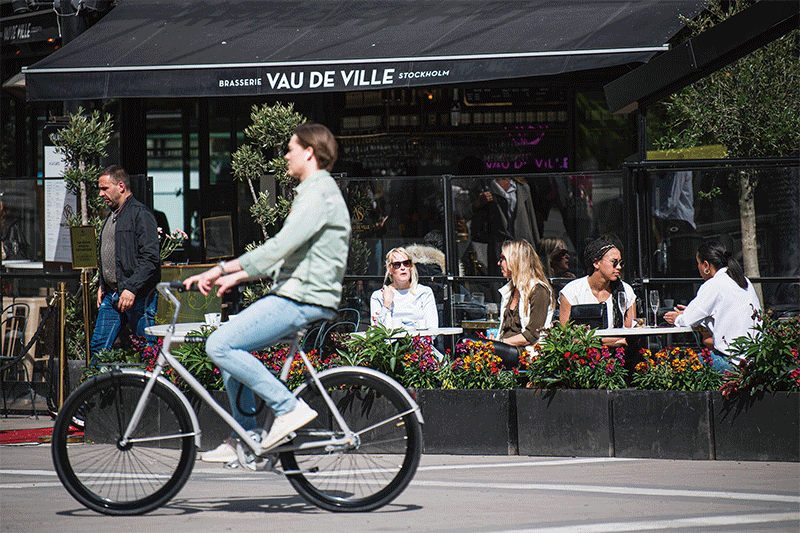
x=402 y=302
x=726 y=303
x=527 y=302
x=604 y=262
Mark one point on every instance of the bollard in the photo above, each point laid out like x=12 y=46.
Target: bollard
x=87 y=313
x=62 y=352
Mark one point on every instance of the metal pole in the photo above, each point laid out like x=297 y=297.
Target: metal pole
x=87 y=313
x=62 y=352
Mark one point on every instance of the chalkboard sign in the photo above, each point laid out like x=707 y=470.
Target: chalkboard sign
x=218 y=236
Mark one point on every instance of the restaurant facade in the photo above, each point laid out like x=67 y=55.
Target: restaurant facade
x=429 y=101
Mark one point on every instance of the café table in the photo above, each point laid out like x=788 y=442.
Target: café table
x=480 y=324
x=648 y=330
x=181 y=330
x=428 y=332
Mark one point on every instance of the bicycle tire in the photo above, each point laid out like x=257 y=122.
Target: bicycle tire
x=376 y=472
x=130 y=480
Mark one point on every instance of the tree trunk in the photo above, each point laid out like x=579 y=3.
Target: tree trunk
x=747 y=219
x=84 y=202
x=255 y=201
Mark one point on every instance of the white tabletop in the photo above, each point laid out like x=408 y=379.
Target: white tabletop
x=23 y=264
x=181 y=330
x=626 y=332
x=430 y=332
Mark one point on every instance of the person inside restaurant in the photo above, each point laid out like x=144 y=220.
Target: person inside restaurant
x=403 y=302
x=602 y=285
x=726 y=303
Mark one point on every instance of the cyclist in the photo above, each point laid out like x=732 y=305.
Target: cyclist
x=306 y=261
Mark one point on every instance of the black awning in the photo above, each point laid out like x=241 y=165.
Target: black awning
x=180 y=48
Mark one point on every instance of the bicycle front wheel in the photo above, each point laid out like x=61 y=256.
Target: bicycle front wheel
x=117 y=479
x=373 y=472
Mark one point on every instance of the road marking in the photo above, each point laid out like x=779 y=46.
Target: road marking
x=554 y=462
x=677 y=523
x=630 y=491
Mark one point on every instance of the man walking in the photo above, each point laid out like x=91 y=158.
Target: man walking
x=130 y=264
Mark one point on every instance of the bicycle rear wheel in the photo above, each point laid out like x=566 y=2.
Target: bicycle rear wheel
x=123 y=480
x=367 y=476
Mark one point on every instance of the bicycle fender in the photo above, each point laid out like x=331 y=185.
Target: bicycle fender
x=184 y=400
x=381 y=375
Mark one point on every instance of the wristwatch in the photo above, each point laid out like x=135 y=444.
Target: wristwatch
x=221 y=266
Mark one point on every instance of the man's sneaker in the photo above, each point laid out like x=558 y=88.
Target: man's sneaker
x=224 y=453
x=286 y=424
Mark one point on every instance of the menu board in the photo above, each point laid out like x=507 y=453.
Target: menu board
x=57 y=245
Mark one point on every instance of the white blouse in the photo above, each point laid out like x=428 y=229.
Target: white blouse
x=407 y=310
x=724 y=308
x=578 y=292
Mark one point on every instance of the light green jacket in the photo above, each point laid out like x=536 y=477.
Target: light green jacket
x=310 y=252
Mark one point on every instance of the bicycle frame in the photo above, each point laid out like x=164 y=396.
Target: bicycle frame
x=165 y=357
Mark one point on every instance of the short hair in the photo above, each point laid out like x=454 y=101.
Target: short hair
x=118 y=174
x=320 y=138
x=387 y=279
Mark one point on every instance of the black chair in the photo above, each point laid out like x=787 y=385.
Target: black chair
x=13 y=320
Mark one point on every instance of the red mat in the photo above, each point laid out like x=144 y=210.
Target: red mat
x=18 y=436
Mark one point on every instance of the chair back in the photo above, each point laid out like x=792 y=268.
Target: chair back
x=12 y=328
x=593 y=315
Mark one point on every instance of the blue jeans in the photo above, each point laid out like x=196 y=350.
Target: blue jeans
x=109 y=320
x=262 y=324
x=720 y=361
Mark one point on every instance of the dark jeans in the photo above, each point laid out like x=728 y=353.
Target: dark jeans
x=109 y=320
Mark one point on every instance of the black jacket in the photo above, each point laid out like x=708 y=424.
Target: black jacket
x=137 y=249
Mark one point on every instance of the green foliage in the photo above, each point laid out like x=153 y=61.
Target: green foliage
x=377 y=349
x=676 y=369
x=82 y=142
x=248 y=163
x=571 y=356
x=773 y=363
x=270 y=131
x=752 y=106
x=477 y=367
x=193 y=356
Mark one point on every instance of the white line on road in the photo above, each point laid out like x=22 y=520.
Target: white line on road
x=631 y=491
x=677 y=523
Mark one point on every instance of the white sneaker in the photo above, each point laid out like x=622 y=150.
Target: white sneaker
x=224 y=453
x=286 y=424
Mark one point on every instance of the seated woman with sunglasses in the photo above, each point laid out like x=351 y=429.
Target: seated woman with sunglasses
x=602 y=285
x=402 y=302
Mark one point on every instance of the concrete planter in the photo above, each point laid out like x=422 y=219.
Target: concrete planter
x=564 y=422
x=662 y=424
x=468 y=421
x=763 y=427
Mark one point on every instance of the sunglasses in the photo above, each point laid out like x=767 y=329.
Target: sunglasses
x=616 y=262
x=397 y=264
x=502 y=258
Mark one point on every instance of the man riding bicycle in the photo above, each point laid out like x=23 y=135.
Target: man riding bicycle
x=307 y=261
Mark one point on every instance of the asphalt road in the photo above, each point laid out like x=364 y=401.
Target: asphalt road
x=449 y=493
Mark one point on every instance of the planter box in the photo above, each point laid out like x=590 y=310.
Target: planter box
x=763 y=427
x=213 y=429
x=468 y=421
x=662 y=424
x=564 y=422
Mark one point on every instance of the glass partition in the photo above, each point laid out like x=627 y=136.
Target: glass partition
x=686 y=206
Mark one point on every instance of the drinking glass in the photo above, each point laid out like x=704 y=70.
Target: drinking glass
x=655 y=303
x=622 y=303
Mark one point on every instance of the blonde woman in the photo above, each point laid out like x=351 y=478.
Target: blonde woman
x=527 y=302
x=402 y=302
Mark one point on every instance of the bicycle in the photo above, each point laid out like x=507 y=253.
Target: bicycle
x=141 y=436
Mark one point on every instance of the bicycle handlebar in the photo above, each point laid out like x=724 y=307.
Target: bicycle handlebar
x=177 y=285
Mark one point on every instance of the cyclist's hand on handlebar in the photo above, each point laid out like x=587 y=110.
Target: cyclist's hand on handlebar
x=231 y=280
x=204 y=280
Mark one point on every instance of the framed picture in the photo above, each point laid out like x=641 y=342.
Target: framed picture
x=218 y=237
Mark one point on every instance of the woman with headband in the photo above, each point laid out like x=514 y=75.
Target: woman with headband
x=603 y=262
x=726 y=303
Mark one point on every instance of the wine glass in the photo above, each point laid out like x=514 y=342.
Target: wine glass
x=622 y=303
x=655 y=303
